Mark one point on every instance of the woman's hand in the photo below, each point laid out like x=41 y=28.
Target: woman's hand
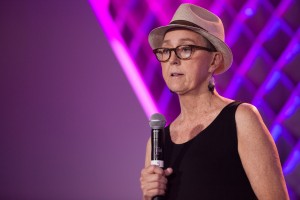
x=153 y=181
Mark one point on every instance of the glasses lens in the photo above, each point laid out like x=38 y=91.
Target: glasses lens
x=162 y=54
x=184 y=52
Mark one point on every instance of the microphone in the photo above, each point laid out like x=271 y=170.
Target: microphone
x=157 y=124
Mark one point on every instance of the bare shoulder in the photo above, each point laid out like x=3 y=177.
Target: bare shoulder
x=249 y=119
x=247 y=111
x=251 y=129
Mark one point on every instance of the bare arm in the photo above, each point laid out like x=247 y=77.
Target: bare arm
x=148 y=153
x=259 y=155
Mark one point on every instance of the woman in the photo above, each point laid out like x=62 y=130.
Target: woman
x=216 y=148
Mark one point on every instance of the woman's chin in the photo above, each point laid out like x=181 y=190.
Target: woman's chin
x=177 y=91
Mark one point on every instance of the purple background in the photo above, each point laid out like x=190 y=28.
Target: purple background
x=71 y=126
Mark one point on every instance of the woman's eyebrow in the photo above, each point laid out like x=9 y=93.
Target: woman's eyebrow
x=165 y=42
x=180 y=40
x=187 y=40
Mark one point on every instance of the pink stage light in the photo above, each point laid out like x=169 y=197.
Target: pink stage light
x=113 y=35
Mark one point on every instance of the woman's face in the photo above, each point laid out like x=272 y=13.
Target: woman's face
x=186 y=76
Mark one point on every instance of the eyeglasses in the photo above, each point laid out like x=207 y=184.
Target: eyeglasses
x=183 y=52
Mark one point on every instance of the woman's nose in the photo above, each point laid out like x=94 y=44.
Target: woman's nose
x=173 y=58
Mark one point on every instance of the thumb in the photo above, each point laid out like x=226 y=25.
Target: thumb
x=168 y=171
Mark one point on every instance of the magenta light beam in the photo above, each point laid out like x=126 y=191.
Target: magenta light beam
x=100 y=8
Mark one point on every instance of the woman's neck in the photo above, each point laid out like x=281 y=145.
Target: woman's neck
x=194 y=105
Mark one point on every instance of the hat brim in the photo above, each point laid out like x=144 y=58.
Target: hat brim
x=157 y=35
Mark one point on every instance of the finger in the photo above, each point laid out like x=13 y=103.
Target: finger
x=157 y=170
x=148 y=178
x=153 y=186
x=153 y=169
x=151 y=193
x=155 y=192
x=168 y=171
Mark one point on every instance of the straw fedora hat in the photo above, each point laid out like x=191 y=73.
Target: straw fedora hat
x=202 y=21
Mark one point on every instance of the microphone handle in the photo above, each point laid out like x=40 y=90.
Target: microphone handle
x=158 y=198
x=157 y=151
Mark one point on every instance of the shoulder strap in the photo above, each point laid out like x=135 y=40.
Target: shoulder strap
x=234 y=104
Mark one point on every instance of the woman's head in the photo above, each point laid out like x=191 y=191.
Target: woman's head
x=188 y=60
x=201 y=21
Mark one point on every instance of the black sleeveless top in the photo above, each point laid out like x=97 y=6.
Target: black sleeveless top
x=208 y=166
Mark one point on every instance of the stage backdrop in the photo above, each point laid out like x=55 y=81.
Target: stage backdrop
x=71 y=126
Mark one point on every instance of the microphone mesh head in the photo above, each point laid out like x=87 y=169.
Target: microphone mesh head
x=157 y=121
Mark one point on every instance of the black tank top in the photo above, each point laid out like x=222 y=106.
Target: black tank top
x=208 y=166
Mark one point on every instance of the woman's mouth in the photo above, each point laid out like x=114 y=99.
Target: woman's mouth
x=176 y=74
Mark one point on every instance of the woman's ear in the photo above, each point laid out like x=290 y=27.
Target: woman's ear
x=216 y=61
